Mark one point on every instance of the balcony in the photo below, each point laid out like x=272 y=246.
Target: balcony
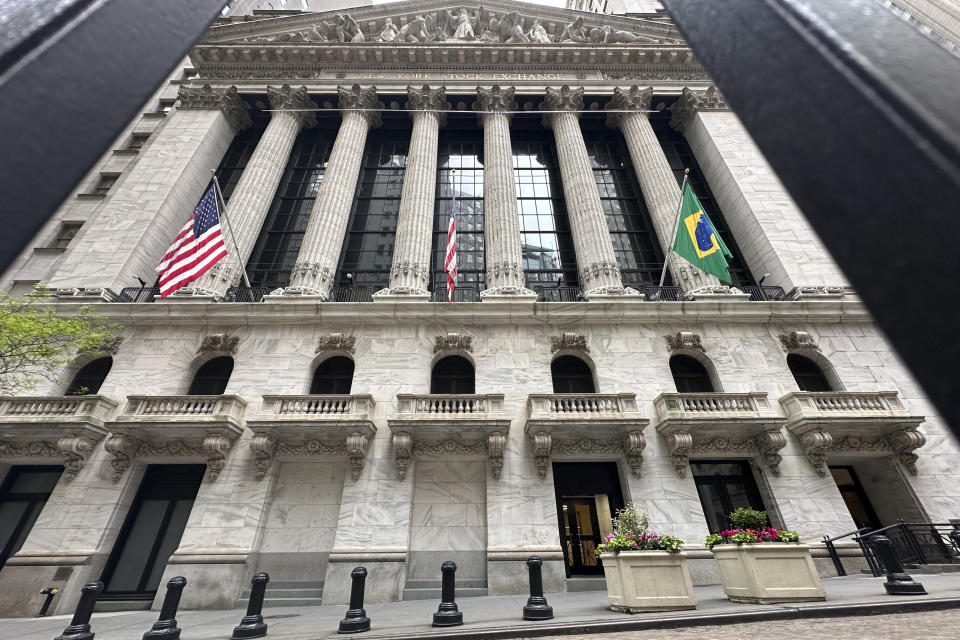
x=738 y=424
x=449 y=423
x=234 y=294
x=585 y=423
x=195 y=426
x=847 y=421
x=64 y=427
x=313 y=425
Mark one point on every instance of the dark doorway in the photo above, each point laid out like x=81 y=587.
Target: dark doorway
x=211 y=378
x=151 y=532
x=452 y=374
x=689 y=375
x=723 y=486
x=333 y=376
x=808 y=375
x=571 y=375
x=24 y=492
x=854 y=496
x=588 y=495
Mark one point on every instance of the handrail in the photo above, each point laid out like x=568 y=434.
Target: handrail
x=828 y=543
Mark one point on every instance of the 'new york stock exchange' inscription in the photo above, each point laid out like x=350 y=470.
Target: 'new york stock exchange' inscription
x=442 y=76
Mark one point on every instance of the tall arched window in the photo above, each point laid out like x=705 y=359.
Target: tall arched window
x=808 y=375
x=571 y=375
x=689 y=375
x=453 y=374
x=211 y=378
x=90 y=377
x=333 y=376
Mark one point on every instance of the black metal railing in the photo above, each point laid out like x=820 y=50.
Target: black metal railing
x=460 y=293
x=832 y=550
x=138 y=294
x=557 y=294
x=662 y=294
x=915 y=543
x=764 y=293
x=246 y=294
x=354 y=293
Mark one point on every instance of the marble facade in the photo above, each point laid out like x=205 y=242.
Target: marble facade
x=373 y=482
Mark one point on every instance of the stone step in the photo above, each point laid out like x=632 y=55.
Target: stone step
x=932 y=568
x=102 y=606
x=587 y=584
x=434 y=594
x=269 y=603
x=468 y=583
x=286 y=594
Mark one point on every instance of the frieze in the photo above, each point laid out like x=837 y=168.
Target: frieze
x=337 y=342
x=656 y=74
x=586 y=445
x=449 y=447
x=452 y=342
x=310 y=448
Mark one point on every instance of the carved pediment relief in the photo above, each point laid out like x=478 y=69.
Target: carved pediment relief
x=497 y=22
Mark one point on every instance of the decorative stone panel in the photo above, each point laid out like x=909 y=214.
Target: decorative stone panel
x=337 y=342
x=569 y=341
x=798 y=340
x=452 y=342
x=684 y=341
x=219 y=343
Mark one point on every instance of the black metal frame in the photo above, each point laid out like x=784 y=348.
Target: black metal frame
x=32 y=497
x=915 y=543
x=748 y=479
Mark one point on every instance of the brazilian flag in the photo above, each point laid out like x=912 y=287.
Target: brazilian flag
x=697 y=239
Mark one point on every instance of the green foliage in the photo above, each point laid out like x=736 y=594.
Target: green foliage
x=631 y=532
x=36 y=341
x=631 y=521
x=671 y=544
x=788 y=536
x=745 y=518
x=712 y=541
x=744 y=537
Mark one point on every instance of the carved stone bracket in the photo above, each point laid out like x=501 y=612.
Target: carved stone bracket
x=219 y=343
x=452 y=342
x=542 y=444
x=72 y=450
x=402 y=452
x=680 y=444
x=690 y=102
x=121 y=449
x=216 y=448
x=227 y=100
x=263 y=447
x=633 y=446
x=903 y=444
x=569 y=341
x=769 y=444
x=496 y=442
x=337 y=342
x=798 y=340
x=357 y=444
x=684 y=340
x=296 y=102
x=815 y=445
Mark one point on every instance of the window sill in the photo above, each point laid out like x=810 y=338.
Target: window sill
x=91 y=196
x=49 y=250
x=154 y=115
x=126 y=152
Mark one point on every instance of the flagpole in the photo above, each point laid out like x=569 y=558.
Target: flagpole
x=223 y=218
x=676 y=225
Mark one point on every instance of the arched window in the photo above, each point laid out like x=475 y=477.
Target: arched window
x=689 y=375
x=90 y=377
x=452 y=374
x=571 y=375
x=333 y=376
x=808 y=375
x=211 y=378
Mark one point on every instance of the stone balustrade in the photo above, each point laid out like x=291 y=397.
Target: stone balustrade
x=581 y=403
x=807 y=403
x=318 y=405
x=441 y=403
x=87 y=407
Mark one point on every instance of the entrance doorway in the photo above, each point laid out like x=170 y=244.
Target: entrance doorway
x=723 y=486
x=23 y=494
x=588 y=494
x=151 y=532
x=854 y=496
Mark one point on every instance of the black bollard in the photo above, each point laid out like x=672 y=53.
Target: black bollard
x=50 y=592
x=898 y=582
x=537 y=607
x=166 y=627
x=252 y=624
x=356 y=619
x=447 y=614
x=79 y=628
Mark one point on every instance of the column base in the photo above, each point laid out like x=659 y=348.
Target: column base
x=194 y=294
x=716 y=294
x=819 y=292
x=402 y=294
x=84 y=295
x=607 y=294
x=296 y=294
x=507 y=294
x=389 y=566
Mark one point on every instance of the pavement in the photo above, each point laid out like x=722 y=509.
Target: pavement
x=490 y=617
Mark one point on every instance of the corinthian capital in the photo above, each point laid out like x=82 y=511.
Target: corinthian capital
x=427 y=99
x=495 y=98
x=227 y=100
x=295 y=101
x=562 y=99
x=691 y=101
x=632 y=99
x=357 y=98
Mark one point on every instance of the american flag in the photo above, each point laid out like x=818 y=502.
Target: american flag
x=450 y=264
x=197 y=247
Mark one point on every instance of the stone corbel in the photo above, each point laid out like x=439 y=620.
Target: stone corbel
x=263 y=446
x=337 y=342
x=769 y=444
x=75 y=451
x=496 y=442
x=633 y=445
x=542 y=443
x=452 y=342
x=569 y=341
x=121 y=448
x=216 y=448
x=357 y=444
x=680 y=444
x=402 y=450
x=904 y=443
x=798 y=340
x=684 y=340
x=815 y=445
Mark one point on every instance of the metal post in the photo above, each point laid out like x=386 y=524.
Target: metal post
x=356 y=619
x=166 y=626
x=252 y=624
x=537 y=607
x=79 y=628
x=832 y=550
x=447 y=614
x=50 y=592
x=898 y=583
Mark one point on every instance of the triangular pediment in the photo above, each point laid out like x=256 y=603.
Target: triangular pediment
x=441 y=22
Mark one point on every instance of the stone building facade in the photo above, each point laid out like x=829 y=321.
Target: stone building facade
x=341 y=412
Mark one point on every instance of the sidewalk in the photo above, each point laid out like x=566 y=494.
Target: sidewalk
x=500 y=616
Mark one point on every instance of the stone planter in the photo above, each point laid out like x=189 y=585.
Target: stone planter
x=768 y=572
x=639 y=581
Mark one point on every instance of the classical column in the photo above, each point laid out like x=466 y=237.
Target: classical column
x=255 y=190
x=410 y=272
x=317 y=261
x=657 y=182
x=599 y=273
x=501 y=226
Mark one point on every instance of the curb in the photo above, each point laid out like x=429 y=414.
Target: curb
x=681 y=621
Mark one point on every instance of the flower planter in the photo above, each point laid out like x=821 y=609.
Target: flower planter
x=768 y=572
x=639 y=581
